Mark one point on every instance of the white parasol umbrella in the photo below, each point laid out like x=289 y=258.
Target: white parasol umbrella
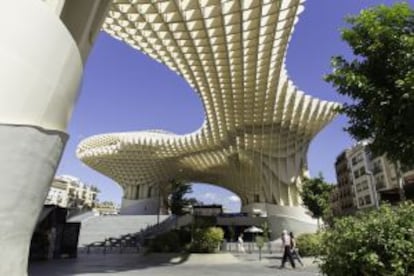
x=253 y=229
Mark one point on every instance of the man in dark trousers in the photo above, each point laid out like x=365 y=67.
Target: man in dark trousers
x=287 y=247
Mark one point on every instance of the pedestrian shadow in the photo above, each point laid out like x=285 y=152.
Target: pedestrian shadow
x=272 y=257
x=276 y=266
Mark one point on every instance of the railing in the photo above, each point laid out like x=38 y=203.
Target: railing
x=160 y=228
x=130 y=243
x=251 y=247
x=171 y=222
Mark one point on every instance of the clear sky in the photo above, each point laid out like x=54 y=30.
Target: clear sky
x=124 y=90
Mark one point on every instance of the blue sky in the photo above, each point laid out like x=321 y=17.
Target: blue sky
x=124 y=90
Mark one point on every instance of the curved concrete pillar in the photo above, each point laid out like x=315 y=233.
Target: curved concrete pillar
x=40 y=69
x=28 y=158
x=291 y=218
x=145 y=206
x=143 y=199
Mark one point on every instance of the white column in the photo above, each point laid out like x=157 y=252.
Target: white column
x=40 y=71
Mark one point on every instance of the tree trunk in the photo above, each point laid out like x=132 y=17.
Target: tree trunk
x=400 y=180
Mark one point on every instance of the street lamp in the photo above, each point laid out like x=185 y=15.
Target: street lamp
x=373 y=188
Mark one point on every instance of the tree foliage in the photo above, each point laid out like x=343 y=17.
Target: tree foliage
x=309 y=244
x=178 y=201
x=379 y=79
x=266 y=231
x=207 y=240
x=379 y=242
x=315 y=195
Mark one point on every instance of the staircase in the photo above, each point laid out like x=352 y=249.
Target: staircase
x=100 y=228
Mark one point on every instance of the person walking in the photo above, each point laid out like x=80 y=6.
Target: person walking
x=241 y=244
x=294 y=250
x=286 y=245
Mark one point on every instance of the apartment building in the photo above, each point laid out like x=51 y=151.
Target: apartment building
x=363 y=182
x=342 y=197
x=367 y=179
x=68 y=191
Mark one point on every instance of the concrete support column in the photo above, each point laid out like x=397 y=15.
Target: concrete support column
x=40 y=72
x=28 y=161
x=291 y=218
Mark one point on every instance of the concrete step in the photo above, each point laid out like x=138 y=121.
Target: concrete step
x=95 y=229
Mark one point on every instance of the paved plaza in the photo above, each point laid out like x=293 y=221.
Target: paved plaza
x=171 y=264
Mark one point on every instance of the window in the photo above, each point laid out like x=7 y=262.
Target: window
x=379 y=181
x=364 y=185
x=376 y=167
x=368 y=199
x=359 y=172
x=357 y=159
x=354 y=161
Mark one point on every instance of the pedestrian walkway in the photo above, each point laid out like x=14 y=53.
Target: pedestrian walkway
x=225 y=264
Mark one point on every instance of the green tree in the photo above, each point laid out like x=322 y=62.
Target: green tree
x=379 y=242
x=207 y=240
x=309 y=244
x=178 y=202
x=266 y=235
x=266 y=231
x=260 y=241
x=379 y=79
x=315 y=195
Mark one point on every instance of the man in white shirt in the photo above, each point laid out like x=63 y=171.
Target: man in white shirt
x=287 y=247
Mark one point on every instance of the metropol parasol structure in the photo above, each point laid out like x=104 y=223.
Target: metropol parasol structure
x=257 y=126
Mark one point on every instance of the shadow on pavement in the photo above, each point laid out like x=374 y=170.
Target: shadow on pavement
x=110 y=263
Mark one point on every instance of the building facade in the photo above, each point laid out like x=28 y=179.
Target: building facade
x=342 y=197
x=365 y=180
x=207 y=210
x=363 y=183
x=69 y=192
x=58 y=193
x=106 y=208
